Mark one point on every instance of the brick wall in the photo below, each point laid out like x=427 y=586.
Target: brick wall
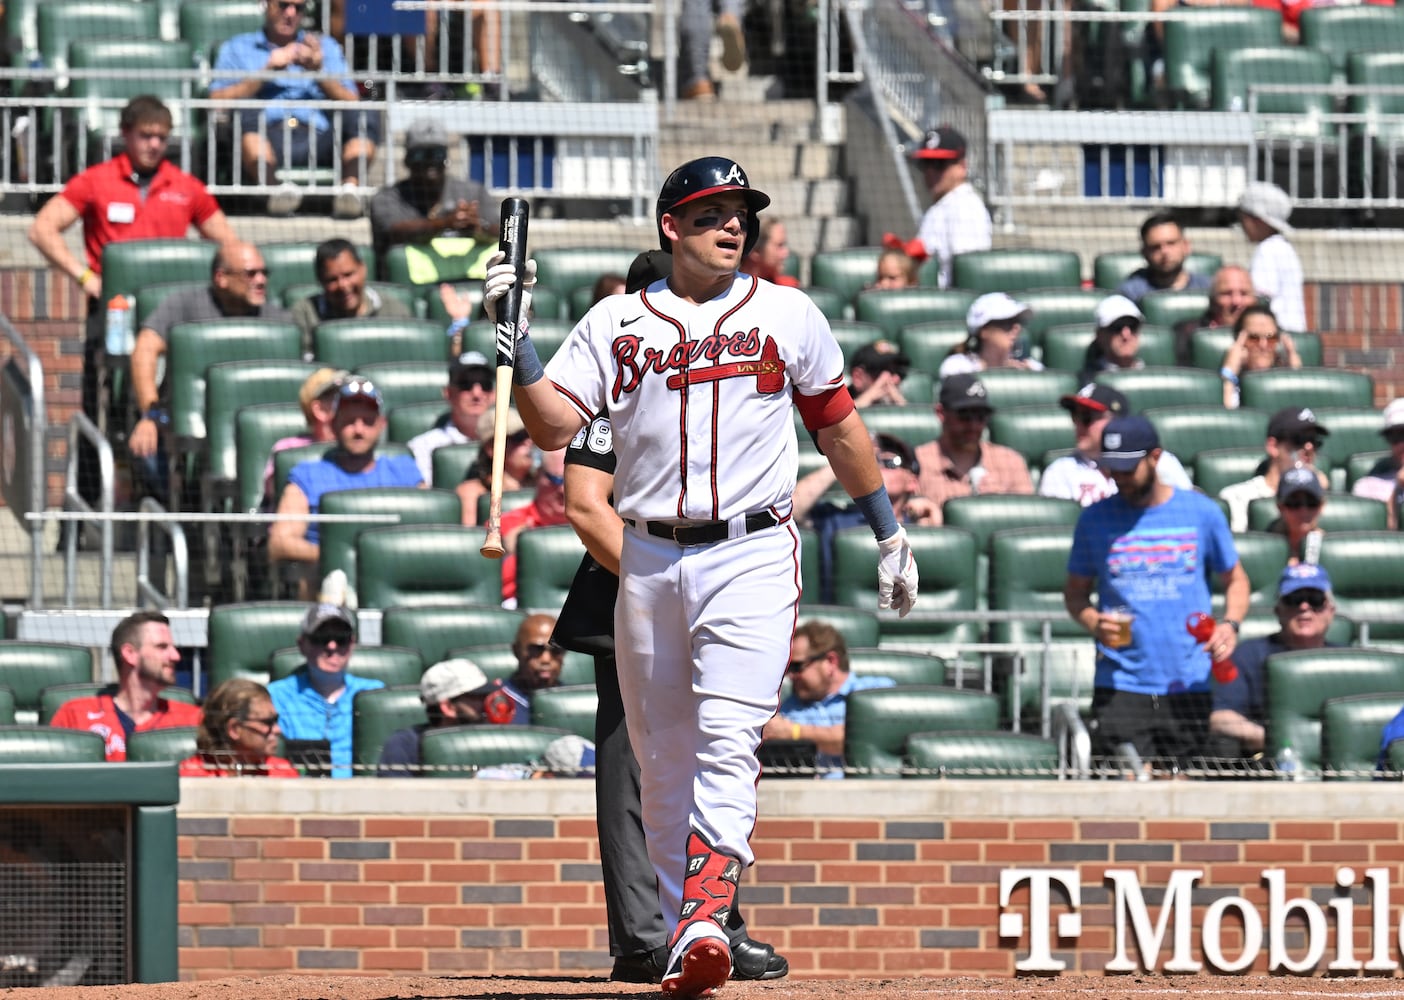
x=864 y=879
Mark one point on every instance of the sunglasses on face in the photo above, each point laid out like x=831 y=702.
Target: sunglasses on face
x=891 y=462
x=1131 y=326
x=285 y=4
x=797 y=666
x=1394 y=436
x=267 y=723
x=1304 y=440
x=537 y=649
x=1085 y=418
x=248 y=273
x=324 y=639
x=1301 y=503
x=426 y=156
x=474 y=382
x=1007 y=325
x=1314 y=599
x=1262 y=338
x=974 y=416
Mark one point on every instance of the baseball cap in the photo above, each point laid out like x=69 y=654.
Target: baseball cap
x=1125 y=441
x=1115 y=307
x=359 y=387
x=963 y=391
x=992 y=308
x=1097 y=397
x=569 y=756
x=942 y=143
x=647 y=268
x=1393 y=416
x=1294 y=421
x=319 y=382
x=1303 y=576
x=469 y=363
x=425 y=132
x=881 y=356
x=320 y=615
x=448 y=679
x=1267 y=201
x=902 y=453
x=1299 y=480
x=488 y=421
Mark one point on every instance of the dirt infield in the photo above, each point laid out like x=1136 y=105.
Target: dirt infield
x=1139 y=987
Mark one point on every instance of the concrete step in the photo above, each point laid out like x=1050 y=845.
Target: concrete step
x=794 y=198
x=759 y=119
x=813 y=161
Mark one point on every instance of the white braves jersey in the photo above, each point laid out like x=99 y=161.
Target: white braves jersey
x=958 y=223
x=700 y=395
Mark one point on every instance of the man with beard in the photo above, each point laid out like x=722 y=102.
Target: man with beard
x=428 y=204
x=1146 y=551
x=344 y=295
x=146 y=658
x=1165 y=248
x=358 y=422
x=539 y=662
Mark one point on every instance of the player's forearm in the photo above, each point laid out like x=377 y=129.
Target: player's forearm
x=849 y=450
x=49 y=241
x=143 y=365
x=548 y=418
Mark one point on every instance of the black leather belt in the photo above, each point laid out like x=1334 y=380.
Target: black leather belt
x=705 y=532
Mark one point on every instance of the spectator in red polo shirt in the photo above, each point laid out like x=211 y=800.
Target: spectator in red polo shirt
x=146 y=657
x=136 y=195
x=547 y=507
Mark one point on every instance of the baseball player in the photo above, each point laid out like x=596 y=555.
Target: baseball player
x=698 y=374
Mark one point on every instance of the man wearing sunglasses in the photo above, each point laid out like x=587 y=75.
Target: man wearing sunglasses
x=1116 y=344
x=1385 y=480
x=428 y=204
x=961 y=462
x=539 y=663
x=238 y=288
x=1305 y=610
x=1293 y=436
x=547 y=508
x=471 y=392
x=314 y=702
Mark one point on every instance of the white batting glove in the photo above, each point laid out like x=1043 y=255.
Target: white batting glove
x=500 y=277
x=897 y=574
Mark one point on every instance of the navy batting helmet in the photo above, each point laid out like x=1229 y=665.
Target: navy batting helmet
x=704 y=176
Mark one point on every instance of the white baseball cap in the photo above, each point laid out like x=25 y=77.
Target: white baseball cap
x=449 y=679
x=1115 y=307
x=1393 y=415
x=992 y=308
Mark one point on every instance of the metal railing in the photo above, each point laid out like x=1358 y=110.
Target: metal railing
x=34 y=450
x=99 y=522
x=149 y=592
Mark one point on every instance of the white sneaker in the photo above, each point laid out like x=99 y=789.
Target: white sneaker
x=284 y=201
x=347 y=205
x=733 y=42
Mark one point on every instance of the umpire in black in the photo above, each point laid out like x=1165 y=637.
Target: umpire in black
x=637 y=935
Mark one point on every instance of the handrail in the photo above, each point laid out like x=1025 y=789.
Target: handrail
x=180 y=559
x=38 y=432
x=79 y=425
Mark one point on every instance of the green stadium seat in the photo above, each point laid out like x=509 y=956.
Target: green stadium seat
x=352 y=343
x=101 y=118
x=1190 y=43
x=1032 y=431
x=1148 y=388
x=1364 y=568
x=977 y=754
x=45 y=745
x=1300 y=682
x=63 y=22
x=229 y=387
x=1263 y=557
x=1394 y=756
x=451 y=464
x=376 y=715
x=829 y=301
x=207 y=24
x=1362 y=463
x=852 y=334
x=914 y=424
x=859 y=626
x=1110 y=269
x=984 y=515
x=570 y=707
x=434 y=263
x=578 y=303
x=1057 y=307
x=926 y=345
x=1220 y=467
x=406 y=382
x=895 y=308
x=547 y=559
x=243 y=638
x=407 y=422
x=257 y=429
x=1208 y=346
x=880 y=720
x=436 y=630
x=460 y=751
x=547 y=335
x=564 y=269
x=1341 y=32
x=416 y=564
x=1275 y=388
x=406 y=295
x=131 y=265
x=1281 y=116
x=7 y=706
x=27 y=668
x=918 y=387
x=1172 y=308
x=163 y=744
x=54 y=697
x=1014 y=387
x=1353 y=430
x=847 y=271
x=1351 y=729
x=396 y=666
x=1343 y=512
x=1188 y=431
x=902 y=666
x=1065 y=347
x=1015 y=271
x=148 y=297
x=1377 y=106
x=337 y=549
x=434 y=304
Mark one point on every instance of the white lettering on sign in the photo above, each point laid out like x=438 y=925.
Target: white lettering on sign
x=1173 y=925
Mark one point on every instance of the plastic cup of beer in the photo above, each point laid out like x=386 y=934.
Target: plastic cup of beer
x=1122 y=617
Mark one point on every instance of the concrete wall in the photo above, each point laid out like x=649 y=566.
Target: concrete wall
x=859 y=879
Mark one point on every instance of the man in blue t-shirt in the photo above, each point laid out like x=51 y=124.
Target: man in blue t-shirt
x=358 y=421
x=817 y=707
x=1305 y=610
x=1147 y=552
x=1165 y=248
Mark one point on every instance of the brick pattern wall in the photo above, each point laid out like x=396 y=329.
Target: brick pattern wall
x=842 y=897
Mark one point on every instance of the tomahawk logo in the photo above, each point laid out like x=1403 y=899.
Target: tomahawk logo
x=734 y=176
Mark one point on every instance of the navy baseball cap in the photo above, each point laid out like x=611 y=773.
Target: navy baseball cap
x=1299 y=480
x=1125 y=441
x=942 y=144
x=1304 y=576
x=963 y=391
x=1098 y=398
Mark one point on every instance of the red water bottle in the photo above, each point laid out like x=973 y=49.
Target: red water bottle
x=1202 y=626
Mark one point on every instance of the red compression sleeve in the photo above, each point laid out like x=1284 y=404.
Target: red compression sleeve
x=825 y=409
